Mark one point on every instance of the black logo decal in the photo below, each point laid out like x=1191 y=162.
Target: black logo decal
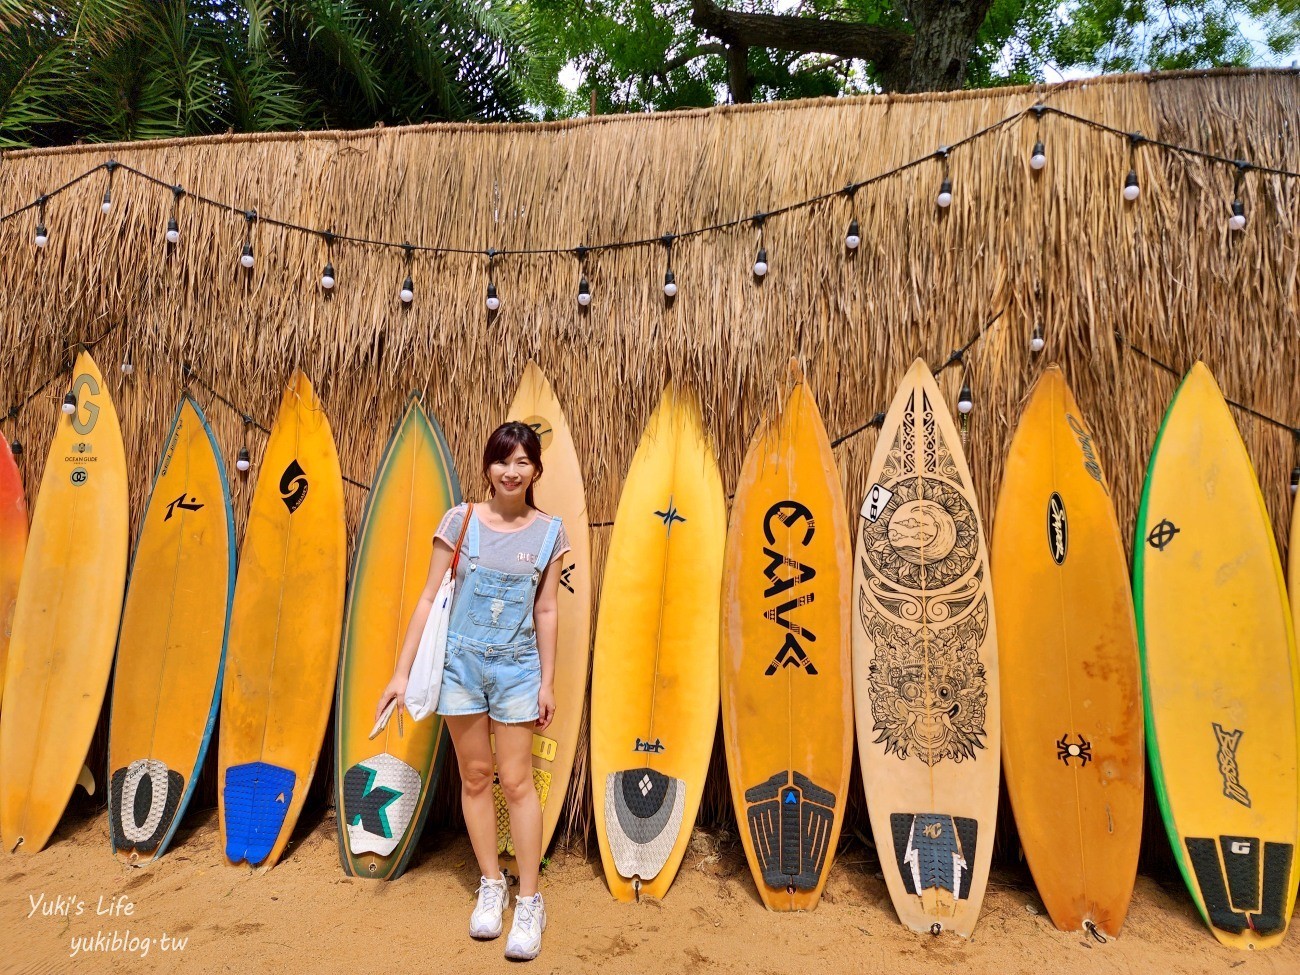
x=293 y=486
x=1162 y=535
x=1066 y=750
x=669 y=515
x=1058 y=531
x=1227 y=758
x=790 y=655
x=566 y=576
x=653 y=747
x=79 y=475
x=784 y=573
x=192 y=505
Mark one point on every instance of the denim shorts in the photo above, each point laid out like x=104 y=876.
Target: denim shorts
x=503 y=681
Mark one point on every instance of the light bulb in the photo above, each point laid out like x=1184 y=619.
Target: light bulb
x=327 y=276
x=493 y=302
x=42 y=235
x=1131 y=188
x=128 y=367
x=964 y=402
x=1036 y=341
x=944 y=199
x=670 y=284
x=246 y=258
x=1039 y=159
x=854 y=237
x=407 y=294
x=69 y=402
x=760 y=265
x=584 y=292
x=173 y=230
x=1238 y=219
x=242 y=463
x=16 y=448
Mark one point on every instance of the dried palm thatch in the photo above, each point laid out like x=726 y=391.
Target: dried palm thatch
x=1056 y=248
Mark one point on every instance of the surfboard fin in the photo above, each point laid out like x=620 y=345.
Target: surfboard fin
x=86 y=780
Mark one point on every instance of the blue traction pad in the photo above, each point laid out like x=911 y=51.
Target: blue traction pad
x=257 y=798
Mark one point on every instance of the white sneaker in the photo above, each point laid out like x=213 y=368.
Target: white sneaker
x=485 y=922
x=525 y=941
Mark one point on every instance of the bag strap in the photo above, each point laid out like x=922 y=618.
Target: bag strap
x=455 y=555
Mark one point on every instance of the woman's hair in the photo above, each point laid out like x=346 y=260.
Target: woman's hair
x=502 y=444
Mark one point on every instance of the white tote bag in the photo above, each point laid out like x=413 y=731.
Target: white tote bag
x=425 y=680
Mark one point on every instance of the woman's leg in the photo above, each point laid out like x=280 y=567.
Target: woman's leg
x=515 y=769
x=469 y=734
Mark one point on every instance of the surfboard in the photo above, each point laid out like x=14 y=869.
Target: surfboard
x=382 y=787
x=172 y=643
x=1219 y=670
x=13 y=544
x=285 y=625
x=654 y=683
x=559 y=492
x=925 y=670
x=1067 y=651
x=66 y=617
x=787 y=690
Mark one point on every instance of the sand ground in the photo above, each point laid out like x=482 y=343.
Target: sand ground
x=306 y=916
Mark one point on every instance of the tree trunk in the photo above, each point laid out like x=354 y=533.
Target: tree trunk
x=933 y=58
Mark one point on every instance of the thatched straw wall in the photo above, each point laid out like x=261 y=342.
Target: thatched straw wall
x=1057 y=247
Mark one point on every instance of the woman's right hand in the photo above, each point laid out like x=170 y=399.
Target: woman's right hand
x=396 y=689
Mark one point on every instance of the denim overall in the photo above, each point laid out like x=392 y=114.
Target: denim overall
x=493 y=664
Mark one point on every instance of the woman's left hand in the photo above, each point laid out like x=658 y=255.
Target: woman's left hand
x=545 y=707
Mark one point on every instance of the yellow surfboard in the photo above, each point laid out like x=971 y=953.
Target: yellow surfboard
x=13 y=545
x=383 y=786
x=284 y=633
x=925 y=671
x=1071 y=681
x=787 y=693
x=65 y=621
x=559 y=492
x=166 y=687
x=654 y=684
x=1219 y=671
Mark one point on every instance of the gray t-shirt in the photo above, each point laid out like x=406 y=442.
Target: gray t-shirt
x=512 y=551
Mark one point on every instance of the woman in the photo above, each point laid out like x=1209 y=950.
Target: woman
x=499 y=675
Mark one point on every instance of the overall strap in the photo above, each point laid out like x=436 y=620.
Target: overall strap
x=548 y=545
x=471 y=537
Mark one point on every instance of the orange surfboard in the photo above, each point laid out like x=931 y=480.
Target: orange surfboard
x=1071 y=678
x=787 y=692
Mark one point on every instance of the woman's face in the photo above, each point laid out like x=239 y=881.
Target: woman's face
x=512 y=477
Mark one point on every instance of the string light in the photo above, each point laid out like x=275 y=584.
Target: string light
x=407 y=293
x=670 y=279
x=327 y=273
x=242 y=463
x=964 y=402
x=42 y=234
x=69 y=402
x=107 y=205
x=1131 y=188
x=1036 y=341
x=1238 y=219
x=854 y=237
x=16 y=448
x=760 y=259
x=173 y=225
x=584 y=287
x=493 y=301
x=128 y=366
x=246 y=256
x=1038 y=158
x=944 y=199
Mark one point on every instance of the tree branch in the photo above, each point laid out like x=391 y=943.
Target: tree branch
x=882 y=46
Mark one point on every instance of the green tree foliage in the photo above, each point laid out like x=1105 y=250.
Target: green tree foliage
x=640 y=55
x=99 y=70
